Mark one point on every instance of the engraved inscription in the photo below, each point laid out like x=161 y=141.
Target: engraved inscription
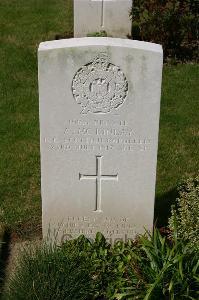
x=98 y=135
x=98 y=178
x=99 y=86
x=113 y=228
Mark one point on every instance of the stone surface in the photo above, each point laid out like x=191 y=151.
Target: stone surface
x=111 y=16
x=99 y=118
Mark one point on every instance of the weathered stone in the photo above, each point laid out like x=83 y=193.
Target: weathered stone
x=111 y=16
x=99 y=118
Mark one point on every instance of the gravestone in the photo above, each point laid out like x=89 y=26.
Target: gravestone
x=99 y=118
x=111 y=16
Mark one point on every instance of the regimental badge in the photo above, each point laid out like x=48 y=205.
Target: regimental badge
x=99 y=86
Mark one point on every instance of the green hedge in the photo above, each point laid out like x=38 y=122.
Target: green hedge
x=171 y=23
x=185 y=214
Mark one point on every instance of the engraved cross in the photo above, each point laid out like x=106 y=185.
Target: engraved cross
x=98 y=179
x=102 y=12
x=102 y=15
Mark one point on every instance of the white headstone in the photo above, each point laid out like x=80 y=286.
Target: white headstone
x=99 y=118
x=111 y=16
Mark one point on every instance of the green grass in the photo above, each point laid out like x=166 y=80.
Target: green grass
x=49 y=272
x=23 y=25
x=179 y=133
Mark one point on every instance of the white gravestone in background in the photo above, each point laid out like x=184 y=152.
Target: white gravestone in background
x=99 y=117
x=111 y=16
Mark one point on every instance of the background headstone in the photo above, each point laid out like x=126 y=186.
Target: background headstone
x=99 y=118
x=111 y=16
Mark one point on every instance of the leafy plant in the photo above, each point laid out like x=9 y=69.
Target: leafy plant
x=168 y=271
x=172 y=23
x=185 y=216
x=109 y=267
x=101 y=33
x=163 y=270
x=149 y=268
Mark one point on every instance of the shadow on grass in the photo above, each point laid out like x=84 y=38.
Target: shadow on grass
x=163 y=205
x=65 y=35
x=4 y=256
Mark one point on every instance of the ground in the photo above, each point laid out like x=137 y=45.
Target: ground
x=23 y=25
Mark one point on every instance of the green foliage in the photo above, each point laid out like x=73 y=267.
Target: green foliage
x=172 y=23
x=51 y=272
x=167 y=271
x=109 y=267
x=101 y=33
x=150 y=268
x=185 y=216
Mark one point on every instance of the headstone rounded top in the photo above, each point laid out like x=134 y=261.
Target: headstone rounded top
x=99 y=41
